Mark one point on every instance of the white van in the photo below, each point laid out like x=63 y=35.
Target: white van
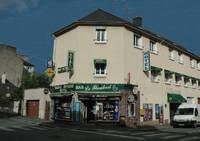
x=187 y=115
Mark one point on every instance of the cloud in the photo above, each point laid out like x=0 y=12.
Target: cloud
x=18 y=5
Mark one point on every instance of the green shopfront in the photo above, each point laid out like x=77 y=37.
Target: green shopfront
x=83 y=102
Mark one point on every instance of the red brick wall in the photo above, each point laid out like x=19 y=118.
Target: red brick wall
x=124 y=119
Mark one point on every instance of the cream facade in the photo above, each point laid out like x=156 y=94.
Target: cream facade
x=124 y=63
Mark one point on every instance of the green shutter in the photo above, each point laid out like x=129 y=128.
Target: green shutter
x=70 y=60
x=155 y=69
x=103 y=61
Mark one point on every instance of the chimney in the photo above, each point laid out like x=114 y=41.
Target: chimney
x=137 y=21
x=3 y=78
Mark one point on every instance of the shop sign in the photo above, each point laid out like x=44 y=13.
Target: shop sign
x=70 y=60
x=49 y=64
x=131 y=98
x=146 y=63
x=92 y=88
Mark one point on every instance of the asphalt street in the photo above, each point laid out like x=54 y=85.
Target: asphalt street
x=21 y=130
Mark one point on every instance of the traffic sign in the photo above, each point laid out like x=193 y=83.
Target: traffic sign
x=50 y=72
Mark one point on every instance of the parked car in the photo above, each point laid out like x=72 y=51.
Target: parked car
x=187 y=115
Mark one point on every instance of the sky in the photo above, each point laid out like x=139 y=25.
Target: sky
x=28 y=24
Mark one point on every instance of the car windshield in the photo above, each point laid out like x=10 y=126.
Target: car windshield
x=185 y=111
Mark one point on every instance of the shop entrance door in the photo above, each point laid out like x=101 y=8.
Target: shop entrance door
x=173 y=107
x=90 y=110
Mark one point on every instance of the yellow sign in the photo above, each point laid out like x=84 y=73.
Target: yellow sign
x=141 y=112
x=50 y=72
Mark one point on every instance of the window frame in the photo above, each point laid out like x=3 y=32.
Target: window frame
x=172 y=54
x=100 y=74
x=153 y=47
x=137 y=41
x=102 y=32
x=180 y=57
x=131 y=113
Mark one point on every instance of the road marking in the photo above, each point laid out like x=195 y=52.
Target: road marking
x=106 y=134
x=142 y=133
x=157 y=134
x=189 y=139
x=6 y=129
x=21 y=127
x=172 y=136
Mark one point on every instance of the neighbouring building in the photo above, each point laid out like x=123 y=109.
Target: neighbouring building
x=110 y=69
x=36 y=103
x=13 y=67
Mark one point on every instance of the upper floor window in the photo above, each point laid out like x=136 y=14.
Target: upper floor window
x=171 y=54
x=194 y=82
x=186 y=81
x=180 y=57
x=100 y=66
x=101 y=36
x=153 y=47
x=137 y=41
x=155 y=74
x=198 y=65
x=168 y=76
x=192 y=63
x=178 y=78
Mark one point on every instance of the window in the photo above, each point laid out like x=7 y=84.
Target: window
x=194 y=82
x=180 y=57
x=153 y=47
x=186 y=80
x=171 y=54
x=192 y=63
x=131 y=109
x=168 y=76
x=100 y=66
x=198 y=83
x=101 y=35
x=190 y=100
x=155 y=74
x=137 y=41
x=198 y=65
x=178 y=79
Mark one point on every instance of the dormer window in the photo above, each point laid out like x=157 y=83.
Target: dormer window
x=137 y=41
x=101 y=36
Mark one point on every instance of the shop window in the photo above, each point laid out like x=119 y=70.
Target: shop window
x=100 y=66
x=153 y=47
x=101 y=36
x=155 y=74
x=168 y=76
x=137 y=41
x=131 y=109
x=178 y=79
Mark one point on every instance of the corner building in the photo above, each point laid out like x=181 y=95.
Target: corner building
x=110 y=70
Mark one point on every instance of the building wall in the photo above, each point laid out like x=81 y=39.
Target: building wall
x=36 y=94
x=122 y=58
x=11 y=64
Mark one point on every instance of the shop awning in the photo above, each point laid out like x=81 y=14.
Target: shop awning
x=175 y=98
x=178 y=74
x=103 y=61
x=60 y=94
x=168 y=72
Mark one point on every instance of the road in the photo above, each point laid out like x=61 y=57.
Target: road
x=23 y=130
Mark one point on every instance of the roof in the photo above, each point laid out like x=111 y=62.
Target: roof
x=4 y=45
x=103 y=18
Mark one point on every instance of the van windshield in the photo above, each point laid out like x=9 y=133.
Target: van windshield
x=185 y=111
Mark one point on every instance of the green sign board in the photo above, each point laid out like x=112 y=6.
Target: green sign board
x=70 y=60
x=92 y=88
